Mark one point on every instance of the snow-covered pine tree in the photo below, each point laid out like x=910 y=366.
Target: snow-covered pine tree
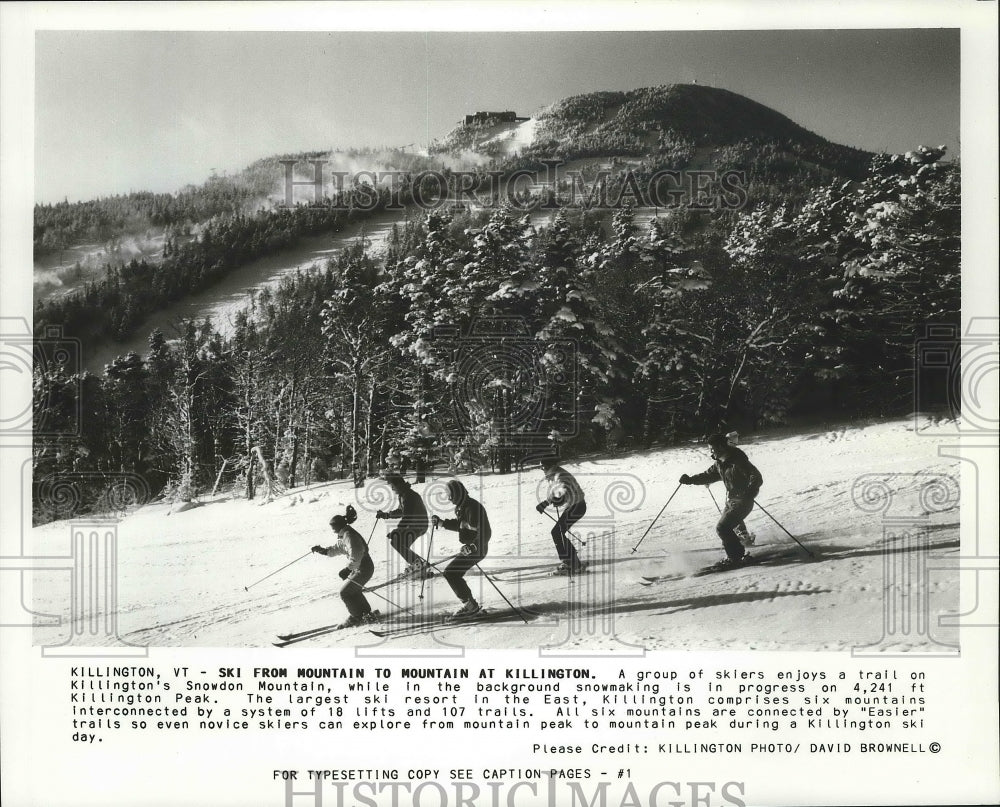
x=356 y=346
x=580 y=355
x=889 y=248
x=673 y=362
x=428 y=283
x=770 y=308
x=127 y=412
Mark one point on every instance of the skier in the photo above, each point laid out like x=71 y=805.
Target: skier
x=356 y=573
x=564 y=491
x=473 y=527
x=412 y=524
x=742 y=481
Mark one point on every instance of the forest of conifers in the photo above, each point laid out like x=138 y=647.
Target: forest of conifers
x=477 y=339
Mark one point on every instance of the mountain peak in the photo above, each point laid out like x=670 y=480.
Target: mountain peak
x=669 y=118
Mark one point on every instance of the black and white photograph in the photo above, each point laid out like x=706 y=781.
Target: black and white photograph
x=622 y=379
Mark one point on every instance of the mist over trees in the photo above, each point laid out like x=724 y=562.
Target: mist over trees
x=476 y=339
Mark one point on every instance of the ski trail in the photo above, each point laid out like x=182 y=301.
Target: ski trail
x=182 y=577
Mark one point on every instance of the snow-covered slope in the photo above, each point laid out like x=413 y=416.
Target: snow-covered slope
x=508 y=138
x=182 y=575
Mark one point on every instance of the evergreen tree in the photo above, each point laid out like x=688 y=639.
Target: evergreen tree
x=127 y=400
x=580 y=356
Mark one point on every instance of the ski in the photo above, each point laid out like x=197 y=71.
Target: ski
x=706 y=570
x=662 y=578
x=287 y=636
x=446 y=624
x=523 y=578
x=537 y=573
x=513 y=570
x=443 y=622
x=310 y=635
x=716 y=568
x=430 y=622
x=301 y=636
x=571 y=576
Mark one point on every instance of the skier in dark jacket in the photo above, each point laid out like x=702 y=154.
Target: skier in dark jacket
x=742 y=481
x=474 y=532
x=564 y=491
x=357 y=573
x=412 y=524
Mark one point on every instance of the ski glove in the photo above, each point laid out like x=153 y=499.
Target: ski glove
x=685 y=479
x=540 y=507
x=379 y=514
x=468 y=549
x=436 y=521
x=345 y=572
x=319 y=550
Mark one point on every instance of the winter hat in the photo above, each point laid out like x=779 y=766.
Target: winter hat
x=396 y=482
x=549 y=461
x=717 y=440
x=457 y=491
x=338 y=522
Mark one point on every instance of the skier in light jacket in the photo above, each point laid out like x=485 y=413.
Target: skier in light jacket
x=563 y=492
x=356 y=573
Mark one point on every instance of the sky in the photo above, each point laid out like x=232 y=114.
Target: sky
x=117 y=111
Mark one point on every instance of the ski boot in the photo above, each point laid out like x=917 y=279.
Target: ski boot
x=407 y=574
x=469 y=608
x=565 y=569
x=725 y=564
x=372 y=617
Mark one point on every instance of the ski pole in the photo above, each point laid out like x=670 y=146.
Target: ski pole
x=371 y=534
x=272 y=574
x=382 y=597
x=520 y=613
x=429 y=563
x=657 y=518
x=430 y=545
x=713 y=498
x=810 y=554
x=565 y=531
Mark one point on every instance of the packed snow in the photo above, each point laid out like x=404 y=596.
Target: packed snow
x=185 y=575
